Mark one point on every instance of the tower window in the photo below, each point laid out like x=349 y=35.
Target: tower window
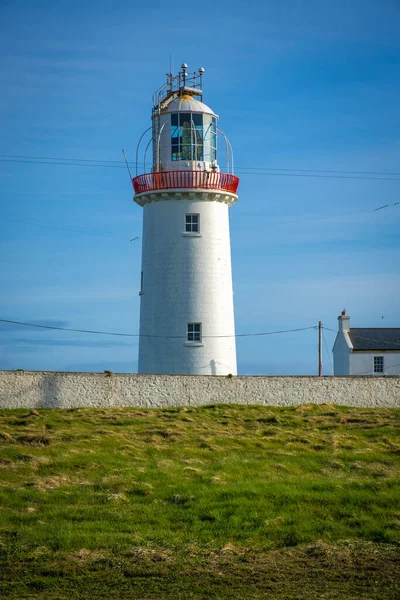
x=378 y=364
x=194 y=332
x=192 y=223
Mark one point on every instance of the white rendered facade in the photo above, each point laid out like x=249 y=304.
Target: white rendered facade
x=186 y=296
x=353 y=355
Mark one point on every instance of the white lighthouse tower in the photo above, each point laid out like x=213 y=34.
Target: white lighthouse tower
x=186 y=298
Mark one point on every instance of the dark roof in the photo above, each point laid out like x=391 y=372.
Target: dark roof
x=378 y=339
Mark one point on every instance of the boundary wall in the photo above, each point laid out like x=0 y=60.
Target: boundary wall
x=45 y=389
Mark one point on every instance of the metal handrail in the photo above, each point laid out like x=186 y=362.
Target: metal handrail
x=177 y=84
x=204 y=180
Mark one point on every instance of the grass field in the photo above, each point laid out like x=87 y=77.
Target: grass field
x=217 y=502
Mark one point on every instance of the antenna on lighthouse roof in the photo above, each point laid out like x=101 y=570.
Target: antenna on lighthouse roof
x=184 y=73
x=201 y=72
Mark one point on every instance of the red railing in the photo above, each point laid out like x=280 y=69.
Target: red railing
x=204 y=180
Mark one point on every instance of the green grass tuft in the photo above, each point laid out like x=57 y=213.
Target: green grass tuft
x=221 y=501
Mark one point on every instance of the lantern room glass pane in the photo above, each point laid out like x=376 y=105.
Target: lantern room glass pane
x=186 y=136
x=214 y=139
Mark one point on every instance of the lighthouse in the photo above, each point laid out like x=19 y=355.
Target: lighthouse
x=186 y=296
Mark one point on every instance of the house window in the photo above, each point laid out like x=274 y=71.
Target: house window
x=194 y=332
x=192 y=223
x=378 y=364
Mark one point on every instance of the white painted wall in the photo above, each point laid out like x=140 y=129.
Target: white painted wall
x=362 y=363
x=68 y=390
x=341 y=354
x=348 y=362
x=186 y=278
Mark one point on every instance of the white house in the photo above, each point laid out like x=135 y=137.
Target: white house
x=366 y=350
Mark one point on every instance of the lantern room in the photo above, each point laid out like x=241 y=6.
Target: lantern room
x=184 y=137
x=187 y=136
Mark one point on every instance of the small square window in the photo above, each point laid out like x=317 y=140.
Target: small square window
x=194 y=332
x=378 y=364
x=192 y=223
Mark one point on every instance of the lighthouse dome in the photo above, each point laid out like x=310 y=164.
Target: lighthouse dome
x=187 y=103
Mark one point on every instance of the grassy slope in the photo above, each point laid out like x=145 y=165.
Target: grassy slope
x=215 y=502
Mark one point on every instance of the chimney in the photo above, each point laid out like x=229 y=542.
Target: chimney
x=344 y=322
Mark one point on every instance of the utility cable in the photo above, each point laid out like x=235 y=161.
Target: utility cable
x=271 y=223
x=68 y=228
x=65 y=164
x=318 y=173
x=95 y=160
x=120 y=162
x=319 y=176
x=137 y=335
x=327 y=351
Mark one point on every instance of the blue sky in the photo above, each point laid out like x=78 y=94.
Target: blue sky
x=302 y=88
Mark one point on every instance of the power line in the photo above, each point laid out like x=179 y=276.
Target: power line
x=327 y=350
x=96 y=160
x=65 y=164
x=321 y=176
x=68 y=228
x=272 y=223
x=268 y=332
x=244 y=170
x=120 y=162
x=93 y=232
x=137 y=335
x=321 y=171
